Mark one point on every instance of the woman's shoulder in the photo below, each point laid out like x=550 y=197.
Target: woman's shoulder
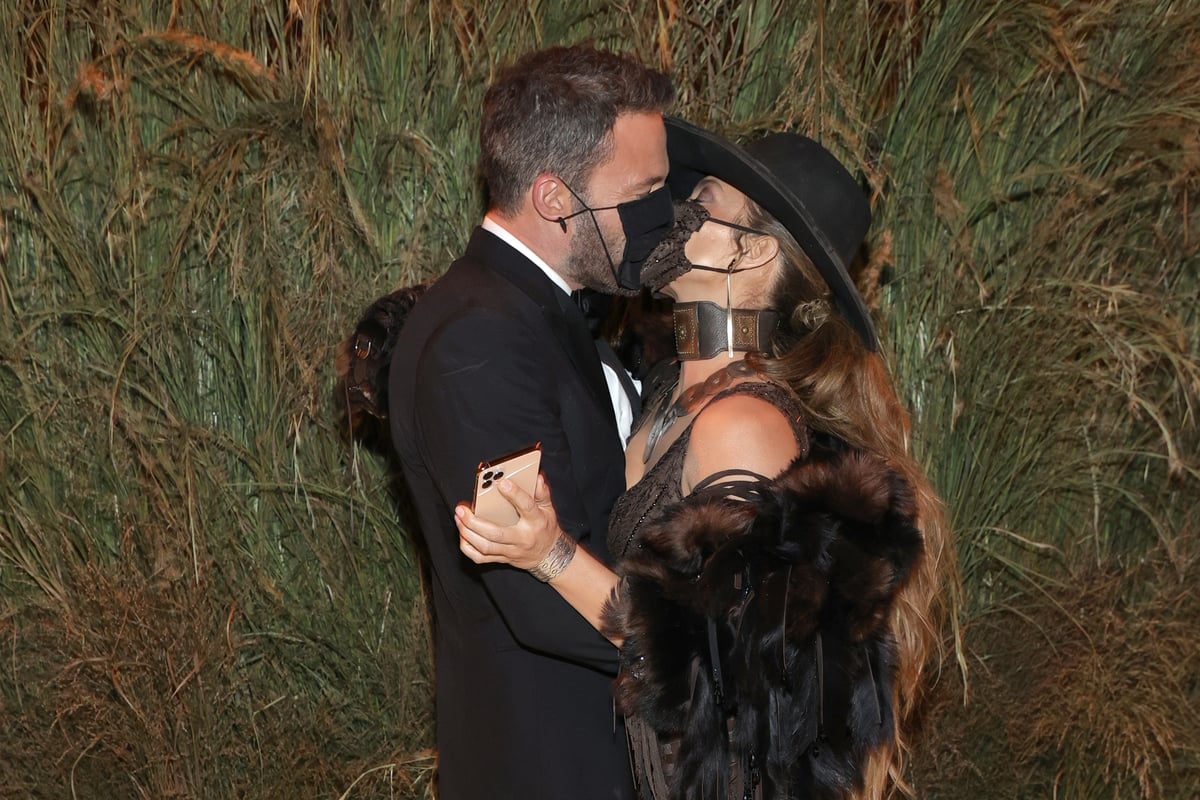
x=744 y=428
x=744 y=409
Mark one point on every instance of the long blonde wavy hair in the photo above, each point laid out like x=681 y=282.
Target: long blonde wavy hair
x=847 y=391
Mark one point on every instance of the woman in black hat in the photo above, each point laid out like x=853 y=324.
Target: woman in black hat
x=779 y=546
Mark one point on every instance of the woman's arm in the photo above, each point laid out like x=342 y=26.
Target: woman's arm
x=735 y=433
x=585 y=582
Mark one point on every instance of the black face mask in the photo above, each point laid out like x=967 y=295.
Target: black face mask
x=643 y=221
x=668 y=260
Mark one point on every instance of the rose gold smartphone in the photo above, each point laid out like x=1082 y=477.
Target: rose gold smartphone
x=520 y=467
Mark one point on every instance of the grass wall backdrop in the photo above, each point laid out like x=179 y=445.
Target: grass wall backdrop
x=206 y=592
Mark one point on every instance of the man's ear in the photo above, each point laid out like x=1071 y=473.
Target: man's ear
x=551 y=200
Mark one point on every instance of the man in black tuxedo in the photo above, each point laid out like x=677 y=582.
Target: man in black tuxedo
x=495 y=357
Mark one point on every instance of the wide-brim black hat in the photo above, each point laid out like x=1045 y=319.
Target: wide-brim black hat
x=799 y=183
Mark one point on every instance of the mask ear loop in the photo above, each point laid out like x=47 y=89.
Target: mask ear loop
x=562 y=221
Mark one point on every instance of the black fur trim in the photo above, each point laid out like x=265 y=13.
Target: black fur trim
x=806 y=573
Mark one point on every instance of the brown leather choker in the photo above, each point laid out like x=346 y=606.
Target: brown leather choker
x=702 y=329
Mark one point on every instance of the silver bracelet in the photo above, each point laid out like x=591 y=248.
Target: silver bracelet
x=556 y=560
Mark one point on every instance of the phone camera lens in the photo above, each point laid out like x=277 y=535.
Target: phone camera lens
x=499 y=474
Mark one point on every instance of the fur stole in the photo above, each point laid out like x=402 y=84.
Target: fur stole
x=756 y=632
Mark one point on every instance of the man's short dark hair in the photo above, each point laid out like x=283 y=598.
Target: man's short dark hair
x=553 y=111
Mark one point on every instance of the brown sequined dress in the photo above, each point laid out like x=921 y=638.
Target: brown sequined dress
x=654 y=754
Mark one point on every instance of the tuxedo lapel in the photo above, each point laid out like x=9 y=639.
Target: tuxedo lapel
x=583 y=351
x=610 y=357
x=567 y=323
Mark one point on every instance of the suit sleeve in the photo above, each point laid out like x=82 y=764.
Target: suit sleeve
x=488 y=385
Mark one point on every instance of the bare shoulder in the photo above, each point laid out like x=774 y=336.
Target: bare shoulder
x=739 y=432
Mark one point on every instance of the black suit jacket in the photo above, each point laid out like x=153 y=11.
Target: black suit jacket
x=491 y=360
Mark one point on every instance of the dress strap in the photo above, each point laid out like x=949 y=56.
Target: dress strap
x=746 y=486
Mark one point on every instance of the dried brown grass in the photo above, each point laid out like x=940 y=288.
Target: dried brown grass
x=1085 y=689
x=150 y=686
x=204 y=593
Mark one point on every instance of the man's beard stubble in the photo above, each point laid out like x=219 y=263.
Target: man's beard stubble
x=586 y=262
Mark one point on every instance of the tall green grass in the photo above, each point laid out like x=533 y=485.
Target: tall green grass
x=206 y=591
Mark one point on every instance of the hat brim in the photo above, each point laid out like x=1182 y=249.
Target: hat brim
x=695 y=153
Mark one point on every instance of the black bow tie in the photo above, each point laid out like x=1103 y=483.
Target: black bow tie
x=594 y=306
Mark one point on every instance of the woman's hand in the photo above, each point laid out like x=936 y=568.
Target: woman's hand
x=584 y=582
x=523 y=544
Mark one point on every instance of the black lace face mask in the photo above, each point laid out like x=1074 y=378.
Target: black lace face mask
x=668 y=261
